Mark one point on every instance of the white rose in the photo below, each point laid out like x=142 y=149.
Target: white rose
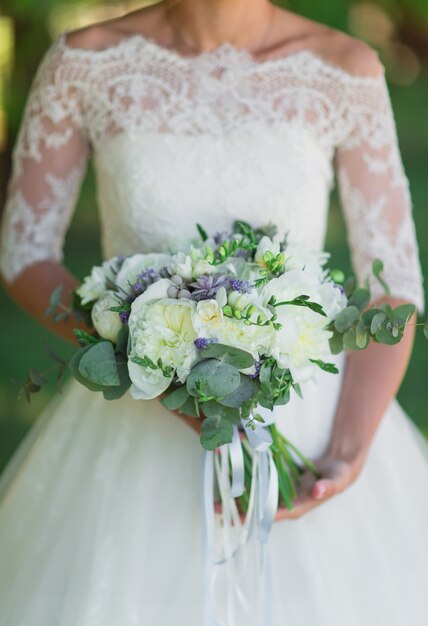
x=181 y=264
x=161 y=329
x=134 y=265
x=107 y=323
x=208 y=313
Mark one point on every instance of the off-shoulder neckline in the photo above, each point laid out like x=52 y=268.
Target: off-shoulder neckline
x=225 y=49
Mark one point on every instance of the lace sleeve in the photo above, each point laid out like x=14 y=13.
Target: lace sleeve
x=49 y=162
x=375 y=193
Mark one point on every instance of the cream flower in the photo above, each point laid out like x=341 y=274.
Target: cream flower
x=107 y=323
x=161 y=329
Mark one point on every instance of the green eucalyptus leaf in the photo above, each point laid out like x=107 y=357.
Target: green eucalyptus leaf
x=377 y=322
x=214 y=409
x=360 y=298
x=190 y=407
x=98 y=365
x=176 y=399
x=385 y=336
x=377 y=269
x=350 y=340
x=336 y=342
x=122 y=339
x=117 y=391
x=74 y=367
x=347 y=318
x=215 y=432
x=362 y=337
x=213 y=378
x=241 y=394
x=350 y=286
x=233 y=356
x=403 y=313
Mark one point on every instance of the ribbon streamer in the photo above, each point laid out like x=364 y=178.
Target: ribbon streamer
x=263 y=502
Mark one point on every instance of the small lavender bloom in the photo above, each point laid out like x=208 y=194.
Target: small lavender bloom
x=243 y=286
x=340 y=287
x=201 y=343
x=257 y=365
x=221 y=236
x=207 y=285
x=144 y=280
x=124 y=316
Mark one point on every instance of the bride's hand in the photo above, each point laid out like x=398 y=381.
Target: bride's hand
x=336 y=476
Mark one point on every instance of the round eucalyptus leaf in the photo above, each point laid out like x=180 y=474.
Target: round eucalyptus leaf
x=215 y=432
x=234 y=356
x=98 y=365
x=212 y=378
x=347 y=318
x=242 y=393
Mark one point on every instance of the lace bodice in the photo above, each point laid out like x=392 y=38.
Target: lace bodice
x=209 y=138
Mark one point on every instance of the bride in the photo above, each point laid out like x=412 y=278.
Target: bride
x=208 y=111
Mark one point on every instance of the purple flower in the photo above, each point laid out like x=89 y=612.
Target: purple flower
x=221 y=236
x=207 y=285
x=124 y=316
x=257 y=365
x=201 y=343
x=243 y=286
x=144 y=280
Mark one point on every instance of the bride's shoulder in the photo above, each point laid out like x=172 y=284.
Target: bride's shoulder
x=335 y=47
x=102 y=36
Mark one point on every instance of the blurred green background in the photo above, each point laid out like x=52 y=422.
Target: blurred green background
x=398 y=29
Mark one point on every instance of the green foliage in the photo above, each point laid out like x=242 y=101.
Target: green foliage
x=212 y=379
x=228 y=354
x=215 y=432
x=98 y=365
x=303 y=301
x=176 y=398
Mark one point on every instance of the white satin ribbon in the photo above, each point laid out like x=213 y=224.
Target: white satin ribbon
x=263 y=502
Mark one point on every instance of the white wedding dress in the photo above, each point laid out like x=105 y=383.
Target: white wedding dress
x=100 y=517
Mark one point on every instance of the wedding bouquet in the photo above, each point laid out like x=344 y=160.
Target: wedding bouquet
x=224 y=331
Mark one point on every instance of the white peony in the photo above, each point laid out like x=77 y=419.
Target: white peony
x=298 y=257
x=302 y=337
x=299 y=282
x=136 y=264
x=95 y=284
x=160 y=329
x=107 y=323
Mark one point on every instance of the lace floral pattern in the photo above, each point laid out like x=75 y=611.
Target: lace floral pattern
x=158 y=116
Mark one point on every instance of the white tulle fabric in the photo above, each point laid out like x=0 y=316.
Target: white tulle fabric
x=100 y=520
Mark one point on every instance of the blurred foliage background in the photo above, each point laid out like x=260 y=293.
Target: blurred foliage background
x=398 y=29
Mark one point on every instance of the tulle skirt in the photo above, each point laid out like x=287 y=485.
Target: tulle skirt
x=101 y=523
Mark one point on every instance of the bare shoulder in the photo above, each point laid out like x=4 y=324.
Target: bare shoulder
x=336 y=47
x=352 y=55
x=102 y=35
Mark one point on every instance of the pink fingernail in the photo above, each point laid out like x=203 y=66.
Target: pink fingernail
x=320 y=491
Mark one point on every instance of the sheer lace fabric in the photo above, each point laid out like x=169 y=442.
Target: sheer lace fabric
x=209 y=138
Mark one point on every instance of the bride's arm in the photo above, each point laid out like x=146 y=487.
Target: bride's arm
x=378 y=213
x=49 y=162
